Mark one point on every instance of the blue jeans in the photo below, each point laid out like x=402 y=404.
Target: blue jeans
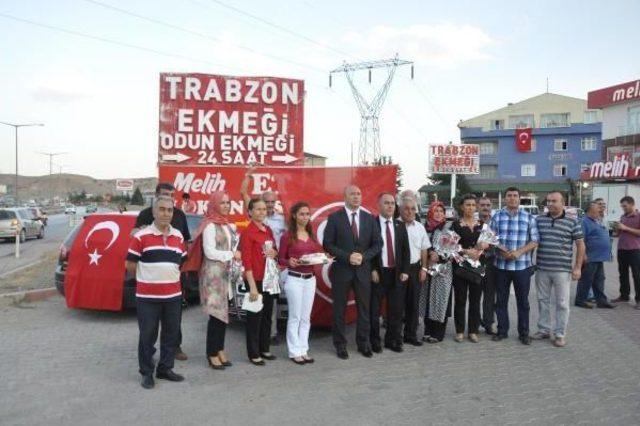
x=592 y=278
x=521 y=283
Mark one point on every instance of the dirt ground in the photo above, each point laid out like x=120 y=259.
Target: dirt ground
x=33 y=277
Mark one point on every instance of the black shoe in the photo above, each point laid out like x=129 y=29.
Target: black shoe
x=620 y=299
x=606 y=305
x=147 y=382
x=394 y=347
x=169 y=375
x=592 y=300
x=220 y=366
x=414 y=342
x=525 y=340
x=376 y=347
x=258 y=362
x=586 y=305
x=498 y=338
x=268 y=356
x=366 y=352
x=342 y=353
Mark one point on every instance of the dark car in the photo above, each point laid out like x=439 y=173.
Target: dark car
x=189 y=281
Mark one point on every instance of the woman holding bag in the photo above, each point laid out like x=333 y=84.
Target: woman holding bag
x=301 y=281
x=257 y=244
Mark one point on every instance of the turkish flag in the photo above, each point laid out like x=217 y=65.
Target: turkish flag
x=95 y=273
x=523 y=139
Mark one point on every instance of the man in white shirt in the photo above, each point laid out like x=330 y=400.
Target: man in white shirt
x=419 y=246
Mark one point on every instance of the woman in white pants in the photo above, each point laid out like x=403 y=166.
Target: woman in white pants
x=300 y=286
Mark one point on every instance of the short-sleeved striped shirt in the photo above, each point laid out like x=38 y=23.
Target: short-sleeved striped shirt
x=159 y=259
x=557 y=236
x=515 y=230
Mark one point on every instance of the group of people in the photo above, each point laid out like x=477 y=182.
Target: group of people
x=386 y=257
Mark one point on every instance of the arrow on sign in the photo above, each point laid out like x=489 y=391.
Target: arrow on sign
x=287 y=158
x=178 y=158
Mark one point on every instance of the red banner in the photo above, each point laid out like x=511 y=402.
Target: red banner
x=523 y=140
x=620 y=93
x=322 y=188
x=213 y=120
x=95 y=273
x=455 y=159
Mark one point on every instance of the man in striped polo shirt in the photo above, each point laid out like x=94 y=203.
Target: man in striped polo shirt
x=155 y=255
x=558 y=234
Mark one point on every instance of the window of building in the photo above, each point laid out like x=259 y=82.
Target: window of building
x=488 y=148
x=488 y=171
x=633 y=120
x=496 y=124
x=554 y=120
x=528 y=170
x=560 y=144
x=591 y=116
x=588 y=144
x=521 y=121
x=560 y=170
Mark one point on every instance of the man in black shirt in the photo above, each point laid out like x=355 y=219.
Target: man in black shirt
x=178 y=221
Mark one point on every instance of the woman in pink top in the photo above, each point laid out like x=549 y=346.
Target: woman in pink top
x=300 y=286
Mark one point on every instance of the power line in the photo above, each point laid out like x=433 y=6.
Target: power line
x=109 y=41
x=199 y=34
x=281 y=28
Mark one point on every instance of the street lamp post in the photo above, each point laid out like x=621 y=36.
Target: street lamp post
x=16 y=127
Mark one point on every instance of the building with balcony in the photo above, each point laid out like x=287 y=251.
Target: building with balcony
x=566 y=139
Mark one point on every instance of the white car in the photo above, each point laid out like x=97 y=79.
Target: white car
x=70 y=209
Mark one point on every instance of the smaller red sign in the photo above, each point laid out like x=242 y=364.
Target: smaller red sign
x=523 y=140
x=621 y=93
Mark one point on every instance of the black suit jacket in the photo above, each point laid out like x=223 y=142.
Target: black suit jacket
x=339 y=242
x=401 y=253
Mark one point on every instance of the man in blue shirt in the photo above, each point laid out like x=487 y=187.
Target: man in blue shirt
x=598 y=243
x=518 y=236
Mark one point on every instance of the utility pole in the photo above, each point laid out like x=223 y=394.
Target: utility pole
x=16 y=127
x=51 y=155
x=369 y=145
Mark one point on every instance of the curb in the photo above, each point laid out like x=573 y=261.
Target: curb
x=28 y=296
x=20 y=268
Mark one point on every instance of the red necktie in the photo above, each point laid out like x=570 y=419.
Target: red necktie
x=354 y=226
x=391 y=260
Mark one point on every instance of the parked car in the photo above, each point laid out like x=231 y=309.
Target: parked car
x=40 y=215
x=534 y=210
x=70 y=209
x=22 y=220
x=91 y=208
x=450 y=213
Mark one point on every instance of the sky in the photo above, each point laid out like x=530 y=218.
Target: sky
x=89 y=69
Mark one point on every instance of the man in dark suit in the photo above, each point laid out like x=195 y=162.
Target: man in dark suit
x=352 y=237
x=389 y=276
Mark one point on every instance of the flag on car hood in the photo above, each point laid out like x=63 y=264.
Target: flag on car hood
x=95 y=272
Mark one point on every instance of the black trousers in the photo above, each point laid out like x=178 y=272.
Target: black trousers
x=434 y=328
x=463 y=290
x=393 y=290
x=629 y=259
x=412 y=302
x=489 y=295
x=339 y=293
x=153 y=314
x=216 y=331
x=259 y=326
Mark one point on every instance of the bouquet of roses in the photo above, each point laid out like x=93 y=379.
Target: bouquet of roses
x=488 y=236
x=271 y=280
x=235 y=268
x=446 y=245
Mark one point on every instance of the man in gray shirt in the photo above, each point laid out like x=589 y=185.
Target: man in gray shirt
x=558 y=234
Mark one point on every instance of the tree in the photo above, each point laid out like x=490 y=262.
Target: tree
x=462 y=185
x=137 y=199
x=386 y=160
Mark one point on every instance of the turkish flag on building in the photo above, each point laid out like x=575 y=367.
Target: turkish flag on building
x=95 y=273
x=523 y=139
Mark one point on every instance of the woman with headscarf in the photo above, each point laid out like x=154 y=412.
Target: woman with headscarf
x=438 y=292
x=216 y=238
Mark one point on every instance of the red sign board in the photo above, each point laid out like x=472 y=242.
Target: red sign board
x=614 y=95
x=124 y=184
x=321 y=187
x=211 y=120
x=455 y=159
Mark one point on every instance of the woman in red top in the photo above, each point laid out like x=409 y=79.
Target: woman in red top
x=254 y=254
x=300 y=286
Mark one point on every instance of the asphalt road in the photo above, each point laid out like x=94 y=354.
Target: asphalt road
x=33 y=250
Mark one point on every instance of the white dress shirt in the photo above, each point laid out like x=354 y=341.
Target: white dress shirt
x=278 y=226
x=383 y=231
x=209 y=244
x=418 y=240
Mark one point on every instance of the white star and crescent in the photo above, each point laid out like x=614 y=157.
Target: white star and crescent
x=115 y=231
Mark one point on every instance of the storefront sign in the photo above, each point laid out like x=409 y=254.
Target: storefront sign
x=225 y=120
x=618 y=168
x=455 y=159
x=614 y=95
